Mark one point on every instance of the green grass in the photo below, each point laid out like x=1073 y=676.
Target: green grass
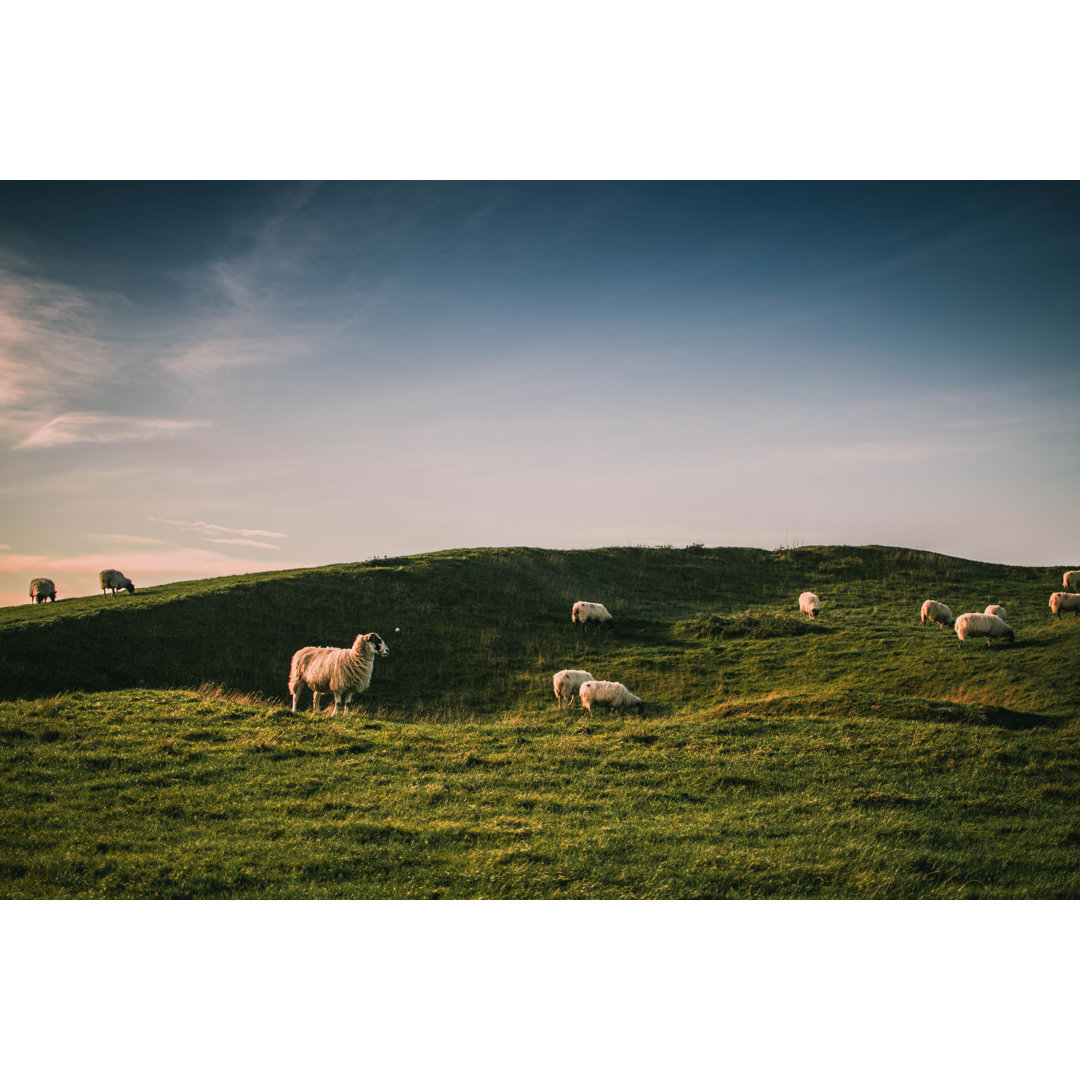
x=146 y=749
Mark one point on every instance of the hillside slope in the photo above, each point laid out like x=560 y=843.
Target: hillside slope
x=478 y=628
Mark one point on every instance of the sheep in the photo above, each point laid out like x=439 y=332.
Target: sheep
x=1070 y=580
x=612 y=694
x=341 y=672
x=809 y=604
x=567 y=683
x=42 y=589
x=113 y=579
x=1064 y=601
x=936 y=611
x=995 y=609
x=974 y=624
x=585 y=612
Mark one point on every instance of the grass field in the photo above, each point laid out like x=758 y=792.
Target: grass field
x=147 y=750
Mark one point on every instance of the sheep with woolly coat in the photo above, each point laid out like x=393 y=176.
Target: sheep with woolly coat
x=1070 y=580
x=1064 y=601
x=42 y=589
x=612 y=694
x=341 y=672
x=936 y=611
x=113 y=579
x=585 y=612
x=974 y=624
x=567 y=683
x=995 y=609
x=809 y=604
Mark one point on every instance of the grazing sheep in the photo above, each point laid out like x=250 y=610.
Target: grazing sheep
x=1064 y=601
x=42 y=589
x=584 y=613
x=113 y=579
x=809 y=604
x=1071 y=580
x=936 y=611
x=995 y=609
x=341 y=672
x=973 y=624
x=612 y=694
x=567 y=683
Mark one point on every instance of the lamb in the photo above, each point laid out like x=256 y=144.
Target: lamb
x=113 y=579
x=995 y=609
x=1071 y=580
x=973 y=624
x=612 y=694
x=936 y=611
x=42 y=589
x=1064 y=601
x=585 y=612
x=341 y=672
x=809 y=604
x=567 y=683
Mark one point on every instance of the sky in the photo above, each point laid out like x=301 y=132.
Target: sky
x=206 y=378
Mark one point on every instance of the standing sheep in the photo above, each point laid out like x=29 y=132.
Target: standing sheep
x=995 y=609
x=567 y=683
x=1071 y=580
x=975 y=624
x=113 y=579
x=1064 y=601
x=42 y=589
x=936 y=611
x=585 y=612
x=341 y=672
x=809 y=604
x=612 y=694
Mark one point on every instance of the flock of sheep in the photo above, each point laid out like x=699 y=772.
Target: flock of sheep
x=347 y=672
x=43 y=588
x=991 y=623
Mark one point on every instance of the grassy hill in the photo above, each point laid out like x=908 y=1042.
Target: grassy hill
x=147 y=750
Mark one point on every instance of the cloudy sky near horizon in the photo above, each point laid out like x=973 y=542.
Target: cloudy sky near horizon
x=211 y=378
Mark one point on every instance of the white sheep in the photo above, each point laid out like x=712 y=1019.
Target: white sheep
x=567 y=683
x=973 y=624
x=995 y=609
x=585 y=612
x=936 y=611
x=1064 y=601
x=42 y=589
x=809 y=604
x=612 y=694
x=1070 y=580
x=341 y=672
x=113 y=579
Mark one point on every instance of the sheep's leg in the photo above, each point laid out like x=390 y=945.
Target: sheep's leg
x=348 y=698
x=337 y=702
x=315 y=700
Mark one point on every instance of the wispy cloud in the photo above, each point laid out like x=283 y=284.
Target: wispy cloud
x=121 y=538
x=86 y=427
x=223 y=534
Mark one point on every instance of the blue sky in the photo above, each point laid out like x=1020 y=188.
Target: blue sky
x=207 y=378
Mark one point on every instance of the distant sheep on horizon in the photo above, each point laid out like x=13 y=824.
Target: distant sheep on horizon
x=1070 y=580
x=585 y=612
x=42 y=589
x=809 y=604
x=113 y=579
x=936 y=611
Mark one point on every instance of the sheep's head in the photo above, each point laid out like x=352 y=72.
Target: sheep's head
x=377 y=644
x=130 y=587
